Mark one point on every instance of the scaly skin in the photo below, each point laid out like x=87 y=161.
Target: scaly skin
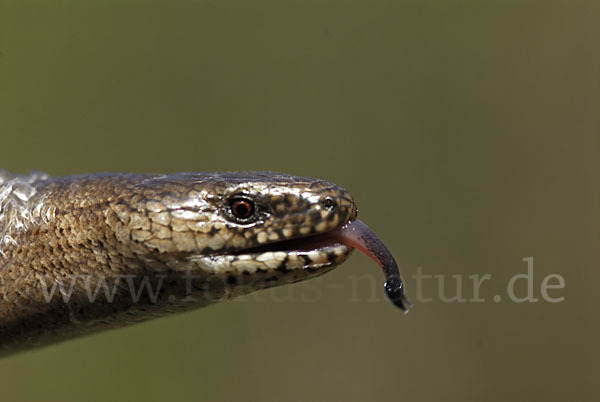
x=83 y=253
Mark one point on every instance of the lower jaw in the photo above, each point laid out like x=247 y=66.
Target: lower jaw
x=273 y=264
x=298 y=265
x=282 y=261
x=237 y=275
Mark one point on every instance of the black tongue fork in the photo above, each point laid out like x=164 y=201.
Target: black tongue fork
x=394 y=289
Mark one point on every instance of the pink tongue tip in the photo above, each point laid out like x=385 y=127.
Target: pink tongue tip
x=358 y=235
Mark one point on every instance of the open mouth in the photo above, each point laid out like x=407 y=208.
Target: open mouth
x=299 y=257
x=310 y=252
x=312 y=242
x=313 y=254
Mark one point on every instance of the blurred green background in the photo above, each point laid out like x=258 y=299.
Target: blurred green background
x=468 y=132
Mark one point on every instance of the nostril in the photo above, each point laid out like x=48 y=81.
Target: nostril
x=329 y=203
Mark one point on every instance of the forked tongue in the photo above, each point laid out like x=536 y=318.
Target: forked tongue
x=358 y=235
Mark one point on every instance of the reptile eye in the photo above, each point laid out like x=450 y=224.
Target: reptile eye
x=329 y=203
x=242 y=208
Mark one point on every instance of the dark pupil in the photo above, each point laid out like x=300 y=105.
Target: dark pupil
x=241 y=209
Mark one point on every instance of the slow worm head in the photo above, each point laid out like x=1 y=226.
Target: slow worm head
x=83 y=253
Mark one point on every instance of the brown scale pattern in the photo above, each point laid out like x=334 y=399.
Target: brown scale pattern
x=173 y=232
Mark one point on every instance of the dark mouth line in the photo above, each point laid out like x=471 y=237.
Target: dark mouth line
x=307 y=243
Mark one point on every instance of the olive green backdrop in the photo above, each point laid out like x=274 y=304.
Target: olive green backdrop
x=468 y=132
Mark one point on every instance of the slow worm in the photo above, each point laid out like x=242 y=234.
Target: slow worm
x=79 y=254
